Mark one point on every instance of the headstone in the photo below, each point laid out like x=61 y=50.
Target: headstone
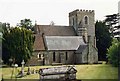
x=33 y=71
x=22 y=68
x=28 y=72
x=16 y=65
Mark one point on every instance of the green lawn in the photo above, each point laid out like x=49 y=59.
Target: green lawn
x=96 y=71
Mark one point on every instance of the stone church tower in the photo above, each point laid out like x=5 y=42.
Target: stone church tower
x=83 y=23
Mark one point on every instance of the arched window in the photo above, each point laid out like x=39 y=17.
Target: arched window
x=86 y=20
x=40 y=56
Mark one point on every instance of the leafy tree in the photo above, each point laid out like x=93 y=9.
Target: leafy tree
x=0 y=32
x=3 y=27
x=17 y=45
x=26 y=23
x=103 y=39
x=0 y=27
x=113 y=53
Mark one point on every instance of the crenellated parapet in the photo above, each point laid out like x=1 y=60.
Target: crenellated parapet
x=81 y=11
x=89 y=11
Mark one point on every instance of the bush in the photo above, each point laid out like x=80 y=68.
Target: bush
x=113 y=53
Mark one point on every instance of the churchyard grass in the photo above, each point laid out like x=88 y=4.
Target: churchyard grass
x=95 y=71
x=99 y=71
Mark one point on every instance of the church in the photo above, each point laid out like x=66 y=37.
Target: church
x=73 y=44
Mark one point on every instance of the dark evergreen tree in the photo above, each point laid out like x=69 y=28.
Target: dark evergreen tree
x=103 y=39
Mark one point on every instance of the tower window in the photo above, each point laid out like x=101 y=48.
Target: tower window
x=66 y=55
x=53 y=56
x=86 y=20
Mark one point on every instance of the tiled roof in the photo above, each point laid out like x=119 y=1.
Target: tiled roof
x=50 y=30
x=39 y=43
x=63 y=42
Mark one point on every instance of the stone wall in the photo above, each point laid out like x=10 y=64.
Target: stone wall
x=81 y=58
x=85 y=56
x=60 y=57
x=92 y=52
x=35 y=60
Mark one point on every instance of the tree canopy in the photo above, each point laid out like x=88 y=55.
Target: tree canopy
x=103 y=39
x=114 y=53
x=26 y=23
x=17 y=45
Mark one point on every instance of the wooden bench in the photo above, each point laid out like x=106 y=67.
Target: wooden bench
x=61 y=72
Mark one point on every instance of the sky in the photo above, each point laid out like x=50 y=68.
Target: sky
x=45 y=11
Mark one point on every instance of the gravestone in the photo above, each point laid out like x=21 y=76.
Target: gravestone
x=21 y=73
x=28 y=72
x=22 y=68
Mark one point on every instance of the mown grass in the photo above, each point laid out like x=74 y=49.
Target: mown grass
x=96 y=71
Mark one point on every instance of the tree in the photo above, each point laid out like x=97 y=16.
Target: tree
x=0 y=32
x=3 y=27
x=103 y=39
x=17 y=45
x=0 y=27
x=113 y=53
x=52 y=23
x=26 y=23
